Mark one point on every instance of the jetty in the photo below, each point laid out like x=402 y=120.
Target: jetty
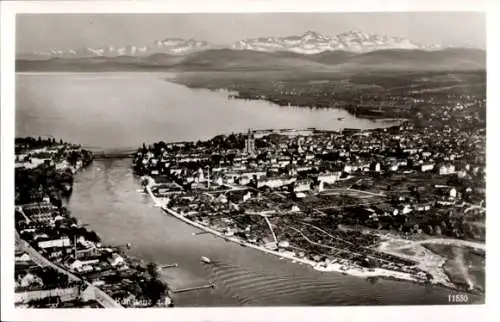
x=174 y=265
x=195 y=288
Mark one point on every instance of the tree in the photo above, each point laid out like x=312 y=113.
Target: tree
x=155 y=290
x=92 y=236
x=152 y=270
x=135 y=288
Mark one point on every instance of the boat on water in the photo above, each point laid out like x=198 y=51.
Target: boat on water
x=205 y=260
x=340 y=118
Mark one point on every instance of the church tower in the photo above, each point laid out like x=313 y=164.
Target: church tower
x=250 y=144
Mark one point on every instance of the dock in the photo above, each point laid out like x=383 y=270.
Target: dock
x=200 y=233
x=195 y=288
x=174 y=265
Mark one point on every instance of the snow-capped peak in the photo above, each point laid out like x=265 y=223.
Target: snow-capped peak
x=172 y=46
x=312 y=43
x=311 y=35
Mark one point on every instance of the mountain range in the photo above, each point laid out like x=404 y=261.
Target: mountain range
x=312 y=51
x=315 y=43
x=171 y=46
x=309 y=43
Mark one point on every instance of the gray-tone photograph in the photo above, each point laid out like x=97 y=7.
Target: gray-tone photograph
x=250 y=159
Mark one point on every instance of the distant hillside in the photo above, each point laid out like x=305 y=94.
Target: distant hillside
x=228 y=59
x=248 y=60
x=461 y=58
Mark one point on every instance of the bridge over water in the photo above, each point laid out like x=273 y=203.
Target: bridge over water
x=112 y=154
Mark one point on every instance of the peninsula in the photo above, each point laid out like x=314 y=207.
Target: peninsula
x=390 y=203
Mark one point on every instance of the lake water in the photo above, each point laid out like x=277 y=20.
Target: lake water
x=124 y=110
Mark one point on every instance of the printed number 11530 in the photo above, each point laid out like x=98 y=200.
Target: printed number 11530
x=458 y=298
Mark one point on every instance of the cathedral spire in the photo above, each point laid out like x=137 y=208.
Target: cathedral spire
x=250 y=143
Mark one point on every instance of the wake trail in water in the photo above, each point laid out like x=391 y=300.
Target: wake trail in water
x=259 y=288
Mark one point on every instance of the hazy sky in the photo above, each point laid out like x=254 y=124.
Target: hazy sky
x=43 y=31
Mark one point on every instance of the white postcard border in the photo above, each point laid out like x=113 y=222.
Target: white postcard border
x=388 y=313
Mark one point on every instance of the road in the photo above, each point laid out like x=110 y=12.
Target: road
x=481 y=209
x=104 y=299
x=380 y=194
x=21 y=211
x=454 y=242
x=268 y=224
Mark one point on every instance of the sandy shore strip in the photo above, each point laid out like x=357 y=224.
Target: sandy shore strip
x=427 y=260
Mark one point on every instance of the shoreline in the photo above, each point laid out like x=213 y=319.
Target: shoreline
x=101 y=296
x=104 y=299
x=331 y=267
x=172 y=76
